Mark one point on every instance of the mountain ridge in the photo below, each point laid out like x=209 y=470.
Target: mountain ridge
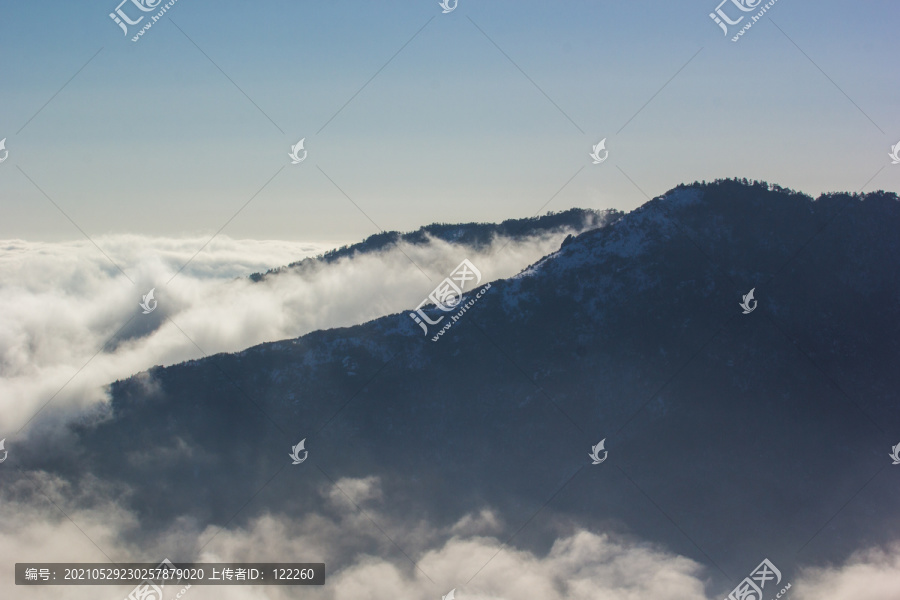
x=473 y=235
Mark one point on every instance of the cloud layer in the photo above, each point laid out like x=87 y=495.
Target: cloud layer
x=362 y=563
x=70 y=321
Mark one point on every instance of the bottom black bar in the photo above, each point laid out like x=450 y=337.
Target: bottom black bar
x=169 y=573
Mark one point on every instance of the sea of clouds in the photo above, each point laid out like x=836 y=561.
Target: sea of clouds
x=70 y=322
x=468 y=556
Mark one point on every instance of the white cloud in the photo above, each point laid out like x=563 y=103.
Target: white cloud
x=484 y=522
x=62 y=302
x=354 y=492
x=872 y=574
x=362 y=564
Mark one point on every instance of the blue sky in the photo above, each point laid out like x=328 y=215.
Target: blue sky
x=155 y=137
